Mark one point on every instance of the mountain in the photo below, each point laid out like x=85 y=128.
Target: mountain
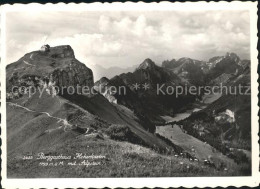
x=216 y=70
x=228 y=64
x=115 y=118
x=147 y=64
x=244 y=63
x=170 y=64
x=103 y=88
x=47 y=118
x=147 y=102
x=183 y=72
x=226 y=123
x=58 y=65
x=189 y=70
x=201 y=125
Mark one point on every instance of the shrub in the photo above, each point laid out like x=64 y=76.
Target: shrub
x=176 y=148
x=245 y=169
x=240 y=157
x=123 y=133
x=119 y=132
x=134 y=155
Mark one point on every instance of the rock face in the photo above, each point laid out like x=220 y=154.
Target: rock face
x=245 y=63
x=189 y=70
x=103 y=81
x=228 y=64
x=169 y=64
x=147 y=64
x=64 y=51
x=149 y=72
x=57 y=65
x=73 y=74
x=233 y=56
x=103 y=87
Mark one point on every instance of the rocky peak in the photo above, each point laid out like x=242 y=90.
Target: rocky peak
x=169 y=64
x=186 y=60
x=102 y=81
x=57 y=64
x=68 y=71
x=147 y=64
x=104 y=88
x=63 y=51
x=215 y=58
x=73 y=74
x=227 y=60
x=232 y=56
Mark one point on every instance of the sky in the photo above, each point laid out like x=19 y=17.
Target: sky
x=126 y=38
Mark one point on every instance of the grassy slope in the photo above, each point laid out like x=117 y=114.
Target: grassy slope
x=26 y=136
x=28 y=131
x=202 y=150
x=122 y=159
x=116 y=114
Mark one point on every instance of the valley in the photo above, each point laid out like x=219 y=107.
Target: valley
x=202 y=151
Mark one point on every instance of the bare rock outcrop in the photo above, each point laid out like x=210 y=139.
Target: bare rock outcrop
x=57 y=65
x=74 y=74
x=64 y=51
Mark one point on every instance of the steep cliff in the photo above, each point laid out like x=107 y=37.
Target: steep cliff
x=58 y=65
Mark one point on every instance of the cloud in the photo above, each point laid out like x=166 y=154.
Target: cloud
x=127 y=38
